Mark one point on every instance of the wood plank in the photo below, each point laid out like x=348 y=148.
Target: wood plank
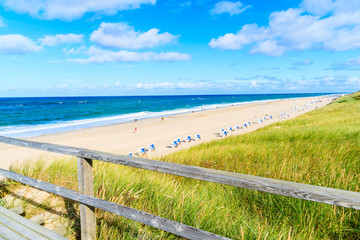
x=331 y=196
x=26 y=227
x=140 y=216
x=8 y=233
x=86 y=186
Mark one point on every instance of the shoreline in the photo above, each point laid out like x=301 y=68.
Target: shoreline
x=27 y=131
x=120 y=138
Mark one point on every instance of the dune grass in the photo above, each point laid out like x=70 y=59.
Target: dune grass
x=321 y=147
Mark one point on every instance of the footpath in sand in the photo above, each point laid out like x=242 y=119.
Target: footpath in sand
x=122 y=138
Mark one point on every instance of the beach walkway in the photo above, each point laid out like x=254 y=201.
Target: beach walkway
x=16 y=227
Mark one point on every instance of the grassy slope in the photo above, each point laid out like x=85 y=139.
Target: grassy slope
x=320 y=147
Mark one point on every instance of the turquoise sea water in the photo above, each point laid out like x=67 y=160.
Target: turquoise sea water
x=25 y=117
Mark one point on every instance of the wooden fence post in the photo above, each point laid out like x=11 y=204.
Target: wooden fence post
x=86 y=186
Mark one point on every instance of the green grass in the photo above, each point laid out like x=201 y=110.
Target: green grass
x=321 y=147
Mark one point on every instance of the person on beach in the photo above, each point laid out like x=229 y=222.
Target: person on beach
x=135 y=130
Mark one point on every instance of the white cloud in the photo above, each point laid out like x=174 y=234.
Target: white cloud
x=316 y=24
x=17 y=44
x=231 y=8
x=185 y=85
x=269 y=47
x=71 y=9
x=100 y=56
x=74 y=51
x=123 y=36
x=351 y=64
x=52 y=40
x=254 y=84
x=355 y=81
x=248 y=34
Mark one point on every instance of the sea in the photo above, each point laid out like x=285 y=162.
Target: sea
x=34 y=116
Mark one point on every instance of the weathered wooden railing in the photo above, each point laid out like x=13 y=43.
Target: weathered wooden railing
x=88 y=202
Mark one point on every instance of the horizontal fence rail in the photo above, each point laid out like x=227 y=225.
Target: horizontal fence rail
x=330 y=196
x=140 y=216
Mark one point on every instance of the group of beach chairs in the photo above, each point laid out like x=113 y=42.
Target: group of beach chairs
x=301 y=108
x=142 y=151
x=224 y=132
x=176 y=142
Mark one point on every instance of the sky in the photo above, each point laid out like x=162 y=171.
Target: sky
x=158 y=47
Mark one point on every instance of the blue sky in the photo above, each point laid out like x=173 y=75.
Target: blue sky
x=150 y=47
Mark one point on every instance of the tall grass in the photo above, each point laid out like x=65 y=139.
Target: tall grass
x=321 y=147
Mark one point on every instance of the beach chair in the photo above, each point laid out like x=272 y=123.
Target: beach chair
x=197 y=137
x=245 y=125
x=188 y=139
x=178 y=141
x=249 y=123
x=237 y=127
x=223 y=134
x=151 y=147
x=141 y=151
x=174 y=144
x=130 y=154
x=231 y=129
x=270 y=117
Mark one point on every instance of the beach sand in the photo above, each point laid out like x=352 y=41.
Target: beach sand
x=122 y=138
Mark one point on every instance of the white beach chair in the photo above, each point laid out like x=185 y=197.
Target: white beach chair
x=151 y=147
x=197 y=137
x=174 y=144
x=141 y=151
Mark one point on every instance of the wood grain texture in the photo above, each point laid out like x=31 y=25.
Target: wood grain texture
x=86 y=186
x=14 y=226
x=331 y=196
x=140 y=216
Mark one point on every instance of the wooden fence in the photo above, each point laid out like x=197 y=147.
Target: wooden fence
x=88 y=202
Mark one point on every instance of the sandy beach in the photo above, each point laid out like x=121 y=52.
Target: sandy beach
x=122 y=138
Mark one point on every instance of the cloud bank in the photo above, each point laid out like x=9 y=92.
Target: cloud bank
x=100 y=56
x=123 y=36
x=52 y=40
x=19 y=44
x=70 y=9
x=315 y=24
